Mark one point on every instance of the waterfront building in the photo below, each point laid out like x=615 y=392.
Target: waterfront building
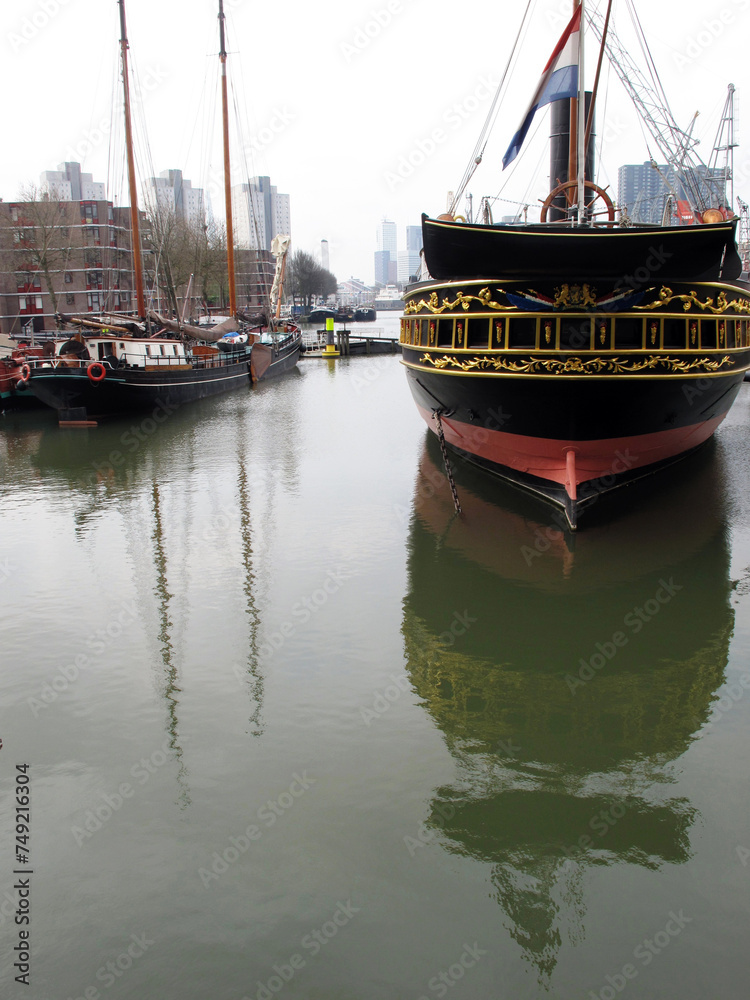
x=83 y=245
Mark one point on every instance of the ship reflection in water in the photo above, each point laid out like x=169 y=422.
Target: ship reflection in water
x=567 y=683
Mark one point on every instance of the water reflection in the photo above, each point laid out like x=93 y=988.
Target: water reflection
x=183 y=541
x=567 y=681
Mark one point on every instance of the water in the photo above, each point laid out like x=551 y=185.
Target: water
x=296 y=731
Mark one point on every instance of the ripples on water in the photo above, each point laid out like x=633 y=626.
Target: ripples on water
x=366 y=743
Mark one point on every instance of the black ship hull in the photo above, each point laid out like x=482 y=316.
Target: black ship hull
x=76 y=396
x=571 y=390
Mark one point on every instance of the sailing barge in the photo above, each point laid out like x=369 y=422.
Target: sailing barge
x=573 y=357
x=131 y=365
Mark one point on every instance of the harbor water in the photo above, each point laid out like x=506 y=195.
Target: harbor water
x=293 y=729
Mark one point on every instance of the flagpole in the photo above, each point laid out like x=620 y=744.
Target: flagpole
x=581 y=123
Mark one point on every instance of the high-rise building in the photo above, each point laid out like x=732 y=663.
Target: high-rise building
x=171 y=192
x=67 y=183
x=408 y=260
x=643 y=190
x=325 y=260
x=386 y=253
x=260 y=213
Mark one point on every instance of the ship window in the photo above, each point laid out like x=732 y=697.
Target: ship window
x=575 y=335
x=708 y=333
x=628 y=333
x=478 y=333
x=675 y=331
x=742 y=336
x=522 y=332
x=445 y=333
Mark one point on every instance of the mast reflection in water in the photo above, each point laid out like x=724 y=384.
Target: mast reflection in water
x=566 y=682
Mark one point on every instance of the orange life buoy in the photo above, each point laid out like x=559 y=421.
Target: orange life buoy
x=90 y=371
x=25 y=372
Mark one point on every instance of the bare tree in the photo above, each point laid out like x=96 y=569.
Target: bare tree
x=308 y=279
x=44 y=234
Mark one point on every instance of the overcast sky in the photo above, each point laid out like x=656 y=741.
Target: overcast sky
x=359 y=109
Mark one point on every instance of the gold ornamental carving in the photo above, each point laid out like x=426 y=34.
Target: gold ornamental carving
x=433 y=305
x=574 y=366
x=575 y=297
x=718 y=307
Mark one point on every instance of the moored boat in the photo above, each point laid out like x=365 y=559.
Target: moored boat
x=574 y=357
x=126 y=365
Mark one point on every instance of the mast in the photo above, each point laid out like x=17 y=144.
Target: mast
x=227 y=171
x=581 y=133
x=134 y=221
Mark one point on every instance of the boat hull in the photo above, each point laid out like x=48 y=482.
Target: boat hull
x=568 y=393
x=541 y=463
x=75 y=396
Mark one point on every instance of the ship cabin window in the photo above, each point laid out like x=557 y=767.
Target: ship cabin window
x=675 y=332
x=478 y=332
x=575 y=335
x=522 y=333
x=444 y=333
x=742 y=333
x=628 y=334
x=105 y=350
x=708 y=334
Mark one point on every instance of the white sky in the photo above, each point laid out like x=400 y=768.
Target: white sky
x=335 y=95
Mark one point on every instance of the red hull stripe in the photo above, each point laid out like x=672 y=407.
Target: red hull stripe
x=546 y=457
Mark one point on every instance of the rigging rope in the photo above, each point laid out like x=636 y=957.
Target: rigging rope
x=481 y=143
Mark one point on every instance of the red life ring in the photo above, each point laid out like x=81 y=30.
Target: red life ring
x=25 y=372
x=90 y=371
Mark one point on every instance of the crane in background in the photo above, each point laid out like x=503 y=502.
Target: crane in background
x=703 y=186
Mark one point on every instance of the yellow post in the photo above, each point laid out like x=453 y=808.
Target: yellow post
x=330 y=351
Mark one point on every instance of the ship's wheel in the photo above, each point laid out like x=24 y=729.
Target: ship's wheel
x=599 y=192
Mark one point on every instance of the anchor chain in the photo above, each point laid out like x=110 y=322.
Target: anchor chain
x=448 y=471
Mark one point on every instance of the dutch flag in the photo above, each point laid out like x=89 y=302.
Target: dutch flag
x=559 y=80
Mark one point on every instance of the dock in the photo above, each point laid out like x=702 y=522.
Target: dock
x=349 y=344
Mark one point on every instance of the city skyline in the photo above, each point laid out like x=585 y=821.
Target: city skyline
x=431 y=123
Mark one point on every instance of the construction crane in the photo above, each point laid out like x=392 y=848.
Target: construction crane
x=676 y=145
x=725 y=144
